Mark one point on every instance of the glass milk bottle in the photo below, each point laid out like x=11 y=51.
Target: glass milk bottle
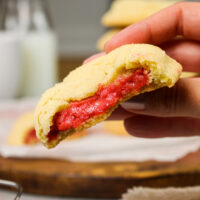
x=39 y=47
x=10 y=50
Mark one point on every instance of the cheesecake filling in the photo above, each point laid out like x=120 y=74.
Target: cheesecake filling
x=105 y=98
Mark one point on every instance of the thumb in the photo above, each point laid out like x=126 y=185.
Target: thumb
x=182 y=100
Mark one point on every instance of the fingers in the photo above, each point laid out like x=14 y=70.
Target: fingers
x=153 y=127
x=179 y=19
x=93 y=57
x=183 y=100
x=186 y=52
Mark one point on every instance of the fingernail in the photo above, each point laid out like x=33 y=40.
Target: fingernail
x=131 y=106
x=136 y=103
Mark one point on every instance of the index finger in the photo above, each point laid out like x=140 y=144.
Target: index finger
x=178 y=19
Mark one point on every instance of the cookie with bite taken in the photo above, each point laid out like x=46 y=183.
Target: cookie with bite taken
x=90 y=93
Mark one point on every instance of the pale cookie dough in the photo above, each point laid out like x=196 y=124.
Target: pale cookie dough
x=84 y=82
x=126 y=12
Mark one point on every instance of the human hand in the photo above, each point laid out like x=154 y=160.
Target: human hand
x=166 y=112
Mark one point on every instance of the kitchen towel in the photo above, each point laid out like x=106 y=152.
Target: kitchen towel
x=171 y=193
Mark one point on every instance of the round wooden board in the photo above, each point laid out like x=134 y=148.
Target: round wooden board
x=98 y=180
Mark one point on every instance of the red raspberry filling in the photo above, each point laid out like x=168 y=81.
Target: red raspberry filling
x=31 y=137
x=106 y=97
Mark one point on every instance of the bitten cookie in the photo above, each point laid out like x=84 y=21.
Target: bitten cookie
x=91 y=92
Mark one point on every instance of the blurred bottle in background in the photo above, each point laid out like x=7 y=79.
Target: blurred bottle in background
x=30 y=20
x=39 y=47
x=10 y=51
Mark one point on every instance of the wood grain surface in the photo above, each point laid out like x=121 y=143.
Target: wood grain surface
x=98 y=180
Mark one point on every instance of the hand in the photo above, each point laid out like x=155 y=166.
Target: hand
x=166 y=112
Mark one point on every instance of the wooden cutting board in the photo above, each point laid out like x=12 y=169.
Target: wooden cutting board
x=98 y=180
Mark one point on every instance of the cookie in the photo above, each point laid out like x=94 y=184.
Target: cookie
x=91 y=92
x=23 y=132
x=105 y=38
x=126 y=12
x=115 y=127
x=190 y=74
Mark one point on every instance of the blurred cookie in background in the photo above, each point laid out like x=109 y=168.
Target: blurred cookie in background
x=123 y=13
x=23 y=132
x=115 y=127
x=126 y=12
x=105 y=38
x=190 y=74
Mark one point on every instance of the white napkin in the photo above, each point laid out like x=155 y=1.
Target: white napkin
x=97 y=146
x=171 y=193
